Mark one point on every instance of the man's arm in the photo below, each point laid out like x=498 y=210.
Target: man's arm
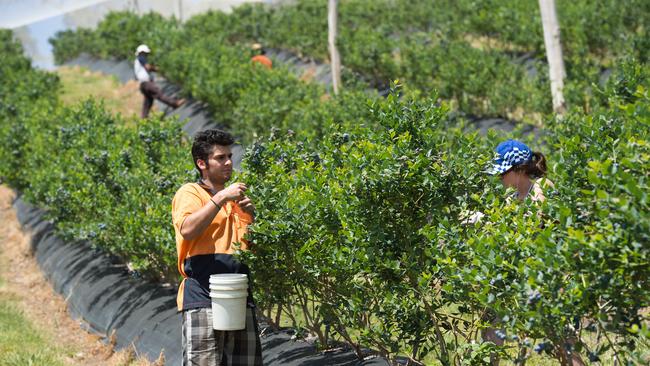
x=196 y=223
x=150 y=67
x=147 y=66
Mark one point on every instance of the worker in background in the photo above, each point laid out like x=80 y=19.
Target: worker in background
x=143 y=73
x=259 y=56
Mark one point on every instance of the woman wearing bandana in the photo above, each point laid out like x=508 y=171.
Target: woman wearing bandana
x=520 y=168
x=524 y=170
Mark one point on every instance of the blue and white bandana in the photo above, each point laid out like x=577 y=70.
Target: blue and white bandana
x=508 y=154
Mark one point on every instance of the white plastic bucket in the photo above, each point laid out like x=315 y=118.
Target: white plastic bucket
x=229 y=287
x=228 y=293
x=228 y=278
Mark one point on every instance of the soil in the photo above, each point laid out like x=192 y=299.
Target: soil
x=43 y=307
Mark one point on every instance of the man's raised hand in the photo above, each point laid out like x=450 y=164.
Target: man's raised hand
x=247 y=205
x=233 y=192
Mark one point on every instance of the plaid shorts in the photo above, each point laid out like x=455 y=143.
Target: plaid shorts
x=204 y=346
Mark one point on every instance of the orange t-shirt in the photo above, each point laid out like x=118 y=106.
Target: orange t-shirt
x=211 y=252
x=263 y=60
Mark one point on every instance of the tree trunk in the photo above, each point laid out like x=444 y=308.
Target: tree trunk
x=278 y=316
x=335 y=61
x=136 y=7
x=553 y=53
x=180 y=11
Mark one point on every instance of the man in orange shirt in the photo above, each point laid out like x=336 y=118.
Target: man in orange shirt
x=209 y=218
x=260 y=56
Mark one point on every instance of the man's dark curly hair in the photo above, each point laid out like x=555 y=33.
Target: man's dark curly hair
x=205 y=141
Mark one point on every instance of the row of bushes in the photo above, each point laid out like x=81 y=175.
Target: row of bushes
x=479 y=81
x=247 y=98
x=514 y=24
x=374 y=35
x=99 y=180
x=488 y=57
x=363 y=231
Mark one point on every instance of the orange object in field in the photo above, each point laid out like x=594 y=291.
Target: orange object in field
x=263 y=60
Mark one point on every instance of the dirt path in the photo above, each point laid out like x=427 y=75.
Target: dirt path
x=37 y=300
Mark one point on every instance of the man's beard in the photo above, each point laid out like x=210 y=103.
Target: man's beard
x=221 y=178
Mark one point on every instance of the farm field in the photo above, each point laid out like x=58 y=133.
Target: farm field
x=363 y=198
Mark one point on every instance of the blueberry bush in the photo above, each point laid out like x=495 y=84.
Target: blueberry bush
x=368 y=231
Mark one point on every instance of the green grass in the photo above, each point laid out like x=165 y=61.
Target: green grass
x=79 y=83
x=21 y=343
